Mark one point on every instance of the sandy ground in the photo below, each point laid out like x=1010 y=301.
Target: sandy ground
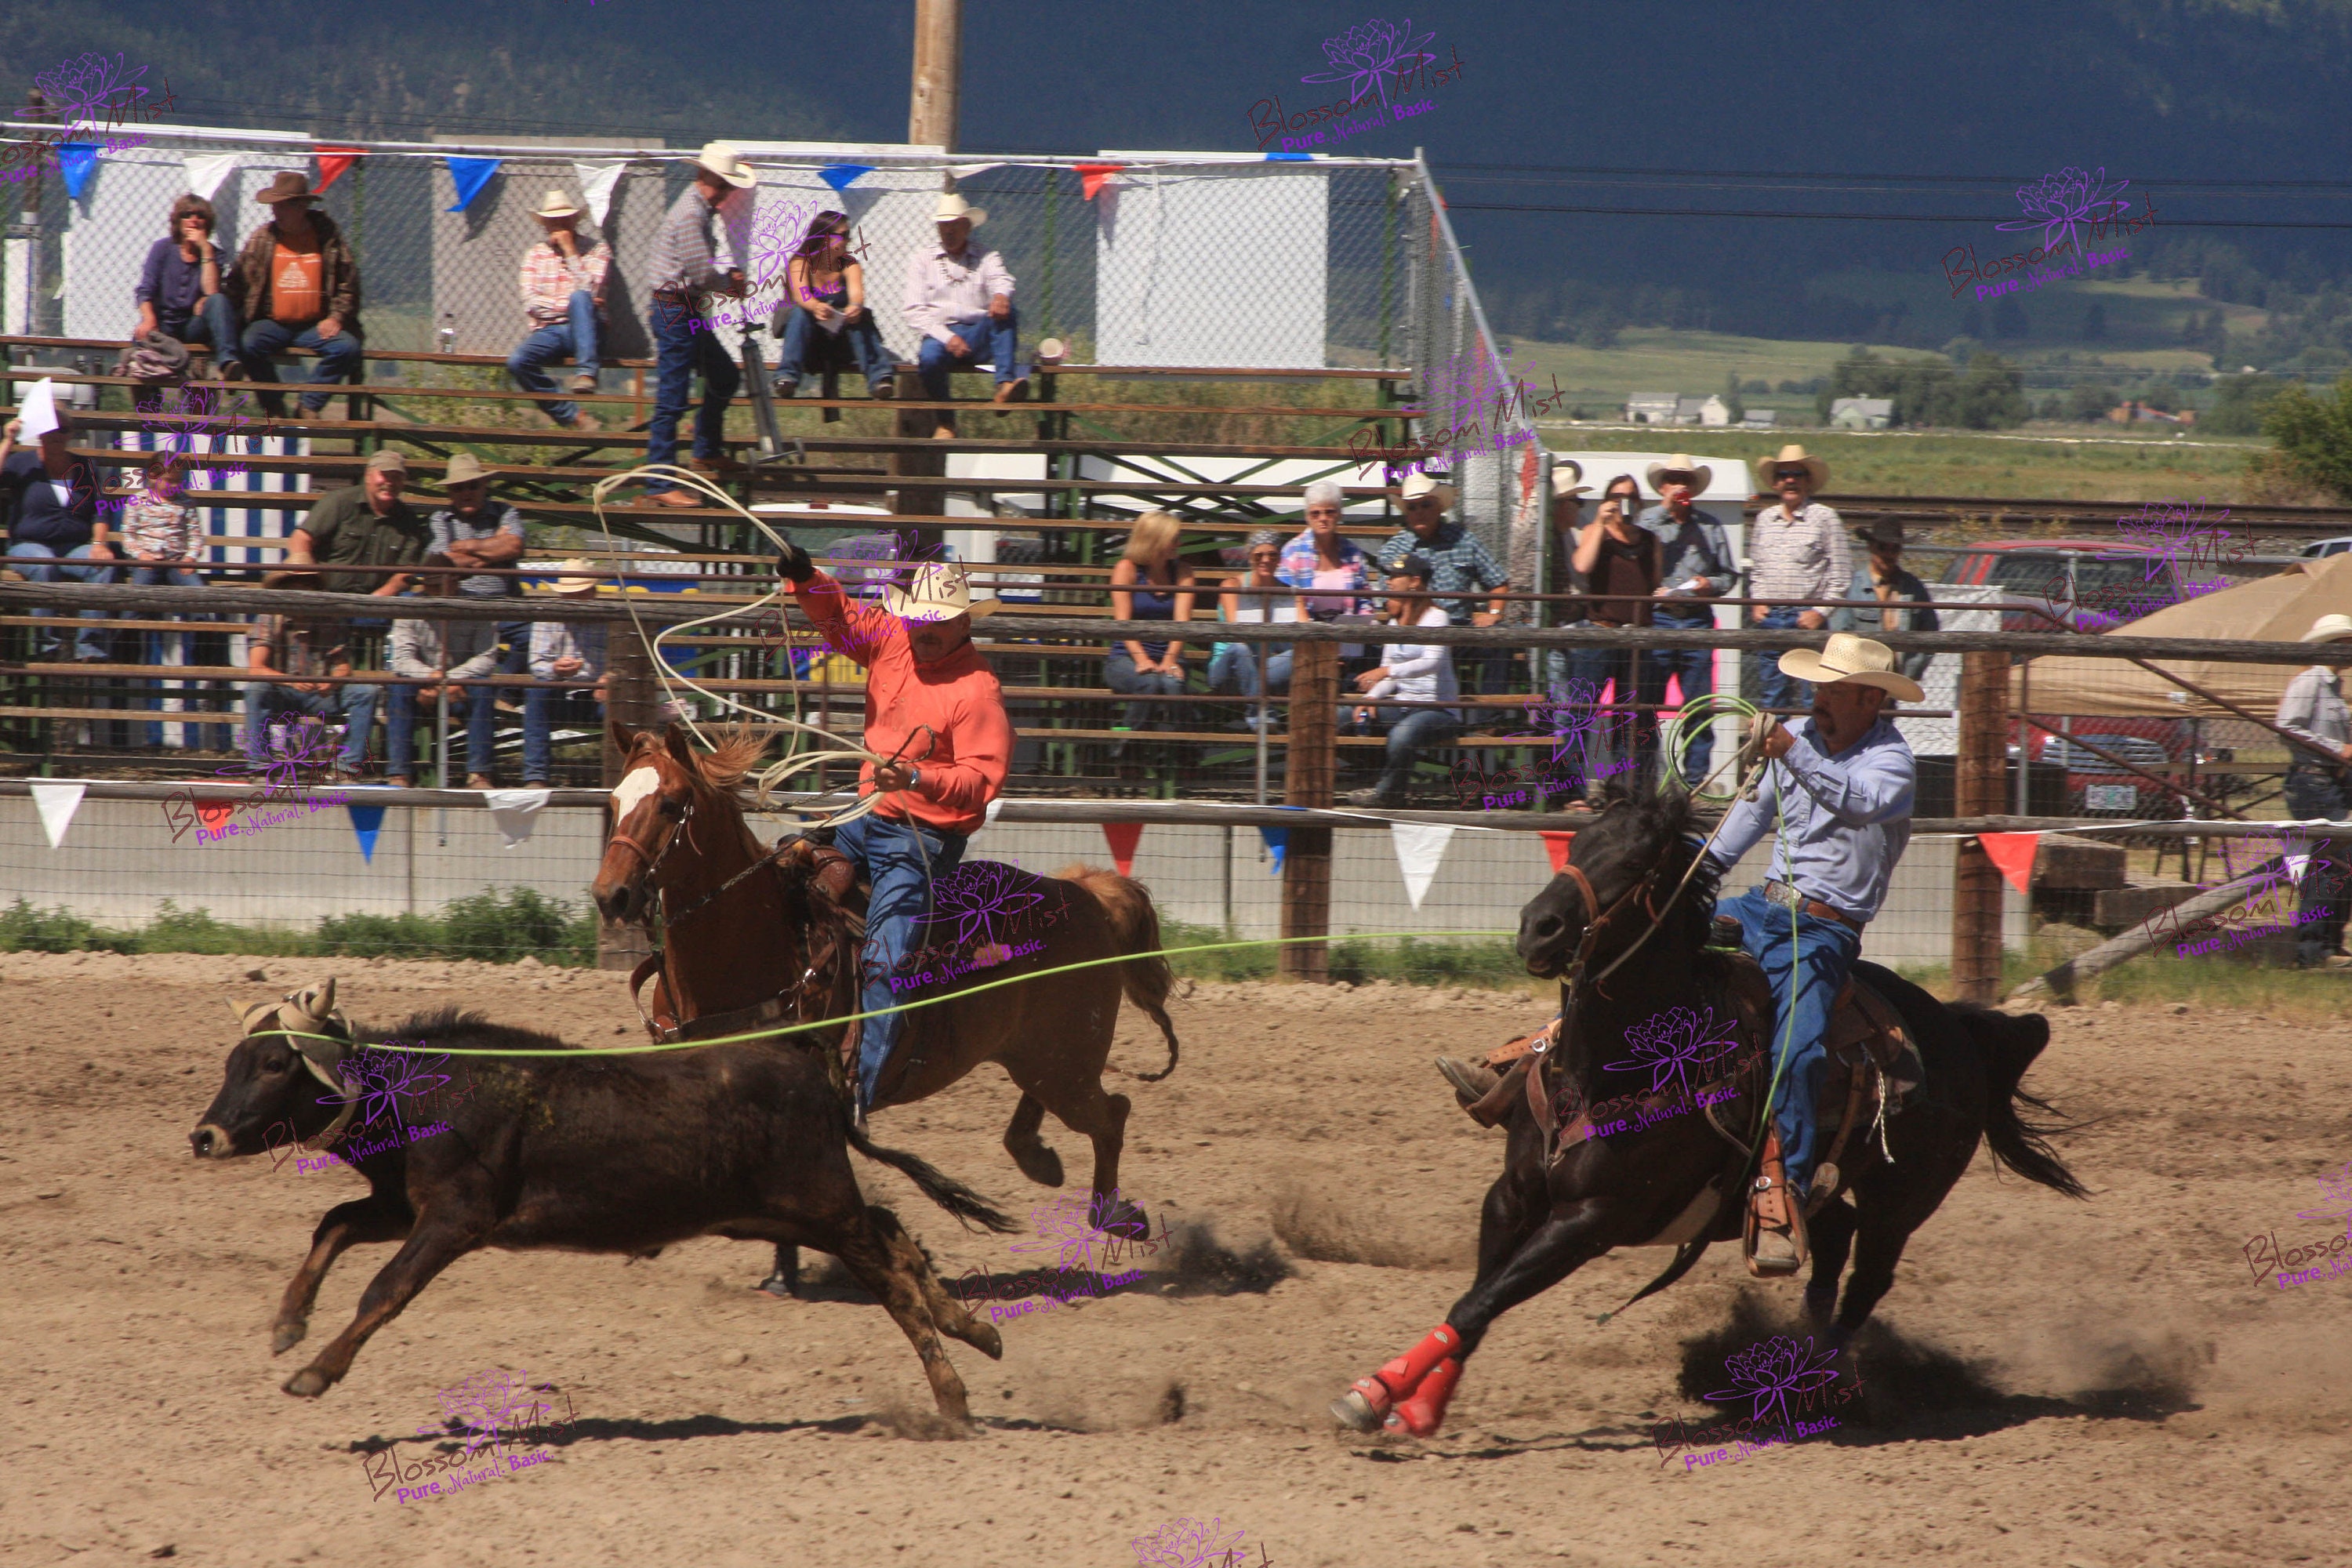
x=2049 y=1383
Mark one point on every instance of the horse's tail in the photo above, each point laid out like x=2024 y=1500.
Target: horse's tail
x=939 y=1187
x=1135 y=927
x=2011 y=1043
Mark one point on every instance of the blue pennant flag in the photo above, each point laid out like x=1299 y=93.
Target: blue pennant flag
x=366 y=821
x=1278 y=840
x=471 y=175
x=76 y=160
x=840 y=176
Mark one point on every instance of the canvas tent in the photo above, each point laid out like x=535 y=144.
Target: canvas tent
x=2271 y=609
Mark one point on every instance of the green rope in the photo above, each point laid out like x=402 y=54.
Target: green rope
x=907 y=1006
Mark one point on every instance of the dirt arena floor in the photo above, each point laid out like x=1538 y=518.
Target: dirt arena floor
x=2054 y=1383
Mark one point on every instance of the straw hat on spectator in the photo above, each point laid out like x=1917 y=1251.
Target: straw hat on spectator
x=954 y=206
x=579 y=579
x=722 y=159
x=465 y=469
x=1565 y=473
x=1791 y=457
x=1419 y=485
x=1701 y=475
x=1846 y=656
x=555 y=203
x=938 y=592
x=2328 y=629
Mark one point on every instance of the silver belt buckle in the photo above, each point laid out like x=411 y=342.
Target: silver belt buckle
x=1784 y=894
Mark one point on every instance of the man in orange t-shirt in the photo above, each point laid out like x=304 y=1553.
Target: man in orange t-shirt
x=297 y=285
x=936 y=712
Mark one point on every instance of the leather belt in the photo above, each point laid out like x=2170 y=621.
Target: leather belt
x=1788 y=898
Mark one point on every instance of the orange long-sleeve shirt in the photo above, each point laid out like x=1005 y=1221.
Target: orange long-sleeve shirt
x=965 y=759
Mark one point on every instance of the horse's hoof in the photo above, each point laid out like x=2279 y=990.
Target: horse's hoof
x=986 y=1340
x=309 y=1384
x=1423 y=1411
x=1040 y=1164
x=1354 y=1410
x=284 y=1337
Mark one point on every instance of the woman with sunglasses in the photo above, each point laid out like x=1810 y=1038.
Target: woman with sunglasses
x=1233 y=664
x=824 y=294
x=179 y=289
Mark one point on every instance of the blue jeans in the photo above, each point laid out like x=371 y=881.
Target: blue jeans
x=1620 y=732
x=1696 y=665
x=164 y=577
x=1121 y=676
x=401 y=711
x=986 y=337
x=264 y=700
x=339 y=357
x=862 y=338
x=575 y=339
x=1825 y=955
x=541 y=706
x=2311 y=792
x=678 y=352
x=34 y=561
x=214 y=323
x=893 y=856
x=1234 y=668
x=1780 y=690
x=1409 y=730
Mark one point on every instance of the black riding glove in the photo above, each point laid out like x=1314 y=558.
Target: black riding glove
x=794 y=563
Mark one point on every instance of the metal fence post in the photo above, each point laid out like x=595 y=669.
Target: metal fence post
x=1306 y=780
x=628 y=699
x=1976 y=891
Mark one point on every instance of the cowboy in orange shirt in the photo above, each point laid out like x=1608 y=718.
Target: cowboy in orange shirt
x=931 y=707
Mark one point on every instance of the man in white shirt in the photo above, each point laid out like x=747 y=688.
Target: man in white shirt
x=1415 y=672
x=960 y=297
x=2312 y=709
x=444 y=652
x=569 y=651
x=1797 y=552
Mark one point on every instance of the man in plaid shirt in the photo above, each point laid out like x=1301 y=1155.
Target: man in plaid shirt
x=683 y=275
x=1459 y=564
x=1797 y=551
x=563 y=296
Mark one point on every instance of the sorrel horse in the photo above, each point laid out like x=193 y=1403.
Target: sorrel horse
x=1676 y=1181
x=743 y=949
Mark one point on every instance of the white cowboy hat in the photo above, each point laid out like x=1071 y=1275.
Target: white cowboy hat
x=938 y=592
x=1683 y=463
x=2328 y=629
x=1790 y=456
x=465 y=469
x=579 y=576
x=722 y=159
x=1849 y=657
x=1419 y=485
x=952 y=207
x=1565 y=472
x=555 y=203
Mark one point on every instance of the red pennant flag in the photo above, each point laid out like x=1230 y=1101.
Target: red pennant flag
x=332 y=161
x=1122 y=837
x=1092 y=176
x=1556 y=845
x=2014 y=853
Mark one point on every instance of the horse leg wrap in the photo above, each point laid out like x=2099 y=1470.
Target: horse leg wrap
x=1368 y=1400
x=1424 y=1413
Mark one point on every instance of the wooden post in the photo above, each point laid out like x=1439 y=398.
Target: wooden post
x=1976 y=893
x=938 y=57
x=629 y=699
x=1306 y=780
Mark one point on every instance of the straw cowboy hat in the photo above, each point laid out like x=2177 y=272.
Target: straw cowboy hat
x=1791 y=456
x=1419 y=485
x=2328 y=629
x=954 y=206
x=1683 y=463
x=555 y=203
x=938 y=592
x=579 y=577
x=1849 y=657
x=1564 y=475
x=721 y=159
x=464 y=469
x=289 y=186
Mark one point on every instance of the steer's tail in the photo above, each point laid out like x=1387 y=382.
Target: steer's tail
x=939 y=1187
x=1135 y=928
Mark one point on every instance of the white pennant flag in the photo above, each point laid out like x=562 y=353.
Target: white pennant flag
x=966 y=171
x=57 y=803
x=1420 y=850
x=207 y=170
x=596 y=182
x=516 y=811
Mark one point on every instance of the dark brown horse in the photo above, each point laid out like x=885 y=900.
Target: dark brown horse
x=753 y=937
x=598 y=1153
x=1675 y=1182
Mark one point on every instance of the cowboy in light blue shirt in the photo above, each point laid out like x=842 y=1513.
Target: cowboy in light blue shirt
x=1840 y=786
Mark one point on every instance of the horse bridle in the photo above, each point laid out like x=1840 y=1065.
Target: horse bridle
x=653 y=861
x=1598 y=918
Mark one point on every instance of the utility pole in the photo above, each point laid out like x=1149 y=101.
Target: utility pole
x=19 y=314
x=939 y=61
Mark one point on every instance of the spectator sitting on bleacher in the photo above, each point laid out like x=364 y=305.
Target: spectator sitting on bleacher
x=445 y=652
x=297 y=284
x=1151 y=583
x=159 y=529
x=1234 y=665
x=562 y=650
x=53 y=520
x=684 y=275
x=1318 y=558
x=960 y=297
x=179 y=289
x=474 y=530
x=302 y=645
x=563 y=299
x=1415 y=672
x=366 y=524
x=826 y=295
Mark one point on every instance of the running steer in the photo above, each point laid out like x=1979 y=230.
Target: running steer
x=602 y=1155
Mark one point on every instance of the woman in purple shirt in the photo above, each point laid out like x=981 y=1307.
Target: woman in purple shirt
x=179 y=291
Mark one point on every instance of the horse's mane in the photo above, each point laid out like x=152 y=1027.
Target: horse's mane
x=445 y=1021
x=734 y=750
x=1672 y=820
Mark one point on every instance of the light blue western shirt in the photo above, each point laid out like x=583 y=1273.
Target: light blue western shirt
x=1845 y=820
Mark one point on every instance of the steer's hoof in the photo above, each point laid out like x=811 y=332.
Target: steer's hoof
x=779 y=1285
x=1362 y=1407
x=309 y=1384
x=284 y=1337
